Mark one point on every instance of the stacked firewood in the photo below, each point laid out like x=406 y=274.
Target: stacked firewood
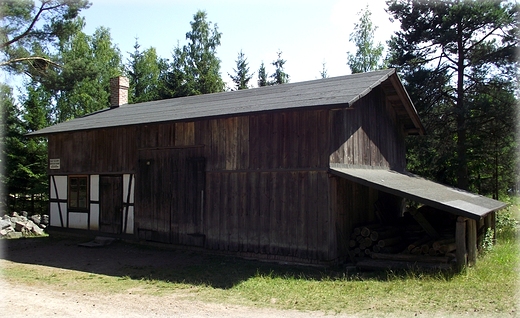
x=375 y=238
x=432 y=247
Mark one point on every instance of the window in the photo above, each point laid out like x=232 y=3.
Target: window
x=78 y=192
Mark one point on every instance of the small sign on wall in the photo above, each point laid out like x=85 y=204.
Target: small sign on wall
x=54 y=164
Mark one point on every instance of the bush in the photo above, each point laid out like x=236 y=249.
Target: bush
x=506 y=223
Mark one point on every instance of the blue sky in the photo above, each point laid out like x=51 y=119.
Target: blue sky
x=308 y=32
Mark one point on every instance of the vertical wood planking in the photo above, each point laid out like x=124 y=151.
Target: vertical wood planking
x=253 y=238
x=302 y=142
x=324 y=138
x=213 y=212
x=285 y=218
x=275 y=233
x=231 y=146
x=233 y=208
x=264 y=212
x=223 y=207
x=243 y=142
x=243 y=212
x=264 y=141
x=293 y=214
x=254 y=147
x=285 y=144
x=302 y=196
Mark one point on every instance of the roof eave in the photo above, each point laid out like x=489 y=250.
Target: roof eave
x=408 y=105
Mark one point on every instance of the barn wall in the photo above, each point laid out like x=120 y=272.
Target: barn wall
x=368 y=134
x=100 y=151
x=281 y=213
x=264 y=186
x=267 y=185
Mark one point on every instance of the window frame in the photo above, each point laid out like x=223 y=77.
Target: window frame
x=75 y=196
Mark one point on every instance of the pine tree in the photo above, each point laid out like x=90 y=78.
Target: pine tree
x=24 y=159
x=454 y=56
x=262 y=76
x=242 y=76
x=29 y=31
x=144 y=72
x=196 y=68
x=279 y=76
x=323 y=73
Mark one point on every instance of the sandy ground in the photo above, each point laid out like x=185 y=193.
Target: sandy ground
x=28 y=301
x=25 y=300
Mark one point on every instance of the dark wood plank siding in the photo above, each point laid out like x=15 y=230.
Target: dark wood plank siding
x=267 y=184
x=279 y=213
x=261 y=183
x=368 y=134
x=103 y=151
x=111 y=204
x=168 y=204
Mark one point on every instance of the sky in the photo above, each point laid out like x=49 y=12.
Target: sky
x=307 y=32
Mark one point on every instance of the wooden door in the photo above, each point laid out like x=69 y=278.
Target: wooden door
x=169 y=185
x=111 y=204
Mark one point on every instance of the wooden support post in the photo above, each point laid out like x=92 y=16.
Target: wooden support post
x=487 y=223
x=460 y=240
x=471 y=241
x=494 y=225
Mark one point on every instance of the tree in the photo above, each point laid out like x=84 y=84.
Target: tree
x=82 y=84
x=144 y=72
x=453 y=55
x=196 y=68
x=262 y=76
x=279 y=76
x=368 y=56
x=25 y=158
x=242 y=76
x=323 y=73
x=28 y=29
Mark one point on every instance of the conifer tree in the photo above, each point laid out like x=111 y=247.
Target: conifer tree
x=144 y=72
x=242 y=76
x=458 y=60
x=196 y=68
x=279 y=76
x=262 y=76
x=29 y=31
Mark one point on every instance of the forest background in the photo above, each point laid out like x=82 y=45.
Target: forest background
x=458 y=60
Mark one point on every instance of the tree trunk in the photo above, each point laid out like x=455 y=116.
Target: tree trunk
x=462 y=171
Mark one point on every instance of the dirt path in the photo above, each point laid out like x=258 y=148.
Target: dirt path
x=27 y=300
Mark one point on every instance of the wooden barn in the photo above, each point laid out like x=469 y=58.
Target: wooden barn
x=283 y=172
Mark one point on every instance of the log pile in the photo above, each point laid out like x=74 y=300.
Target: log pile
x=375 y=245
x=375 y=238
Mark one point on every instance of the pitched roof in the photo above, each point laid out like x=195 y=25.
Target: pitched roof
x=413 y=187
x=329 y=92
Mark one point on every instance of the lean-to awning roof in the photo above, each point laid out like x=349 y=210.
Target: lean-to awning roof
x=413 y=187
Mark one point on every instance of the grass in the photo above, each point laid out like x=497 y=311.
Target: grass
x=488 y=289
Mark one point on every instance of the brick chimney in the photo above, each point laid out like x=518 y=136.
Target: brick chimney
x=118 y=91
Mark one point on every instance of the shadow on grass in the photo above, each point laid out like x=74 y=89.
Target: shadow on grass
x=142 y=262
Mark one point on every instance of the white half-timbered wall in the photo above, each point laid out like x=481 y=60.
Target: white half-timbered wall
x=128 y=203
x=88 y=220
x=58 y=201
